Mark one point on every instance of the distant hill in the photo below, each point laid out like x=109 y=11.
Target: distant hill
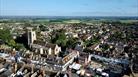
x=72 y=17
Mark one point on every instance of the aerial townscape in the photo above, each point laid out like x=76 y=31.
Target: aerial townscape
x=68 y=47
x=68 y=38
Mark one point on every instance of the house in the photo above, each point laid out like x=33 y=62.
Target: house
x=55 y=49
x=45 y=48
x=95 y=47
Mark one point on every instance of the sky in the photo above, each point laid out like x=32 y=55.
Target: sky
x=68 y=7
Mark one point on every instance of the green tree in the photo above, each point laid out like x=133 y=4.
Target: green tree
x=59 y=37
x=5 y=35
x=92 y=41
x=12 y=43
x=19 y=46
x=105 y=47
x=71 y=43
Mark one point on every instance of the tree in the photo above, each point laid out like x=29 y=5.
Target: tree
x=5 y=35
x=59 y=37
x=43 y=28
x=22 y=40
x=94 y=40
x=105 y=47
x=12 y=43
x=19 y=46
x=71 y=43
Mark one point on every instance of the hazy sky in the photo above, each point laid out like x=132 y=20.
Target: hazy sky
x=69 y=7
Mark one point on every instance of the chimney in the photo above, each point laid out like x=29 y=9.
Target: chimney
x=42 y=71
x=86 y=62
x=14 y=69
x=32 y=67
x=89 y=58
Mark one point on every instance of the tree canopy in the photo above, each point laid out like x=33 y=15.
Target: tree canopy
x=5 y=35
x=59 y=38
x=7 y=38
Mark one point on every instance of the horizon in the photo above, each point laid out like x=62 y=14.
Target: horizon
x=104 y=8
x=71 y=17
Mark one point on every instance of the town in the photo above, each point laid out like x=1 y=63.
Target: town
x=68 y=48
